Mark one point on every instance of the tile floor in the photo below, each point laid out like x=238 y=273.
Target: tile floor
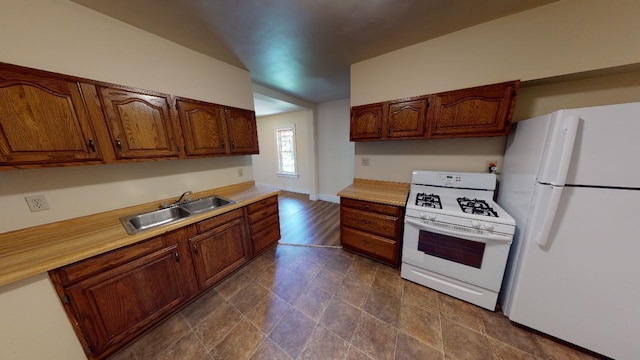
x=299 y=302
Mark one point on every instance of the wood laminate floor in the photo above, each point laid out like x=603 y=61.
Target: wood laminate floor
x=306 y=222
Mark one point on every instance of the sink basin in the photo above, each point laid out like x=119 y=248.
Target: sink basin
x=206 y=204
x=137 y=223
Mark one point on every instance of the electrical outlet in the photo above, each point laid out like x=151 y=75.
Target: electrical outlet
x=364 y=161
x=491 y=166
x=37 y=203
x=240 y=172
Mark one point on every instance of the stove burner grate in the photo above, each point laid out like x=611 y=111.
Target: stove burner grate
x=428 y=200
x=476 y=207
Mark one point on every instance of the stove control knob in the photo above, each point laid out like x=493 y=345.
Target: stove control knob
x=423 y=216
x=489 y=227
x=432 y=217
x=475 y=224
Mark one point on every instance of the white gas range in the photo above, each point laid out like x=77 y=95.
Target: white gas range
x=456 y=238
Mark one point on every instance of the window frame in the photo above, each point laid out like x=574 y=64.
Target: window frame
x=280 y=172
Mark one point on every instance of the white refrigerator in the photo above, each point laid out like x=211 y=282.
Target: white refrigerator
x=571 y=180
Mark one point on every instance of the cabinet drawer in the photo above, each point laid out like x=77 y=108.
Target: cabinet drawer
x=272 y=220
x=382 y=225
x=369 y=244
x=83 y=269
x=272 y=201
x=215 y=221
x=262 y=214
x=370 y=206
x=265 y=238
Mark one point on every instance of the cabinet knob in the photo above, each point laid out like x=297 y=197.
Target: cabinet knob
x=177 y=256
x=195 y=248
x=92 y=145
x=119 y=144
x=233 y=144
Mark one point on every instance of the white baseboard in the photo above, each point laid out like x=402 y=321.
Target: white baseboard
x=330 y=198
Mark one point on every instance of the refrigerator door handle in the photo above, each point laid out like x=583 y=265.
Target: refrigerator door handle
x=570 y=126
x=549 y=214
x=558 y=149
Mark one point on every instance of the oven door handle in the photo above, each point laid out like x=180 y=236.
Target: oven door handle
x=473 y=237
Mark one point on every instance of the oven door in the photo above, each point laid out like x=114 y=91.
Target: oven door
x=465 y=255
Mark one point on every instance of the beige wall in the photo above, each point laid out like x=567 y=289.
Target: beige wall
x=335 y=151
x=61 y=36
x=544 y=97
x=34 y=325
x=265 y=164
x=564 y=37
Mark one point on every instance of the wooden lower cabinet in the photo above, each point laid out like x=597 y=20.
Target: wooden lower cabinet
x=113 y=298
x=222 y=248
x=371 y=229
x=264 y=224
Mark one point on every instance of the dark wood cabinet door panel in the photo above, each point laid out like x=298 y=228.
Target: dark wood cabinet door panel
x=265 y=238
x=204 y=128
x=219 y=251
x=366 y=122
x=371 y=229
x=43 y=120
x=480 y=111
x=407 y=119
x=141 y=125
x=375 y=246
x=116 y=304
x=243 y=132
x=383 y=225
x=371 y=206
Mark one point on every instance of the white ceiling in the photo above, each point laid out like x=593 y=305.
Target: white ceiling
x=266 y=105
x=303 y=48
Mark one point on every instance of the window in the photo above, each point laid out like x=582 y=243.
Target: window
x=286 y=142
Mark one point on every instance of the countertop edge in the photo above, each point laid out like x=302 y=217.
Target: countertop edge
x=378 y=191
x=35 y=250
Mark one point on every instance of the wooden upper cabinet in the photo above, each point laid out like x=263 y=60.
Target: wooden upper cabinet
x=43 y=120
x=366 y=122
x=141 y=125
x=479 y=111
x=203 y=127
x=243 y=132
x=407 y=119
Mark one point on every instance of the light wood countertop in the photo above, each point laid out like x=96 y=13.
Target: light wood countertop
x=383 y=192
x=31 y=251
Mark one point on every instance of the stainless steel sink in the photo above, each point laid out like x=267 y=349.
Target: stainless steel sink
x=206 y=204
x=139 y=222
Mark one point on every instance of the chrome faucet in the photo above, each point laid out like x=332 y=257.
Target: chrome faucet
x=186 y=193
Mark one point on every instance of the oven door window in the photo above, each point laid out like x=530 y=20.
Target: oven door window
x=451 y=248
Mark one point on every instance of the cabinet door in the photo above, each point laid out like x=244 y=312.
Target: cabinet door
x=140 y=124
x=217 y=252
x=122 y=302
x=407 y=119
x=203 y=127
x=366 y=122
x=480 y=111
x=243 y=132
x=43 y=120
